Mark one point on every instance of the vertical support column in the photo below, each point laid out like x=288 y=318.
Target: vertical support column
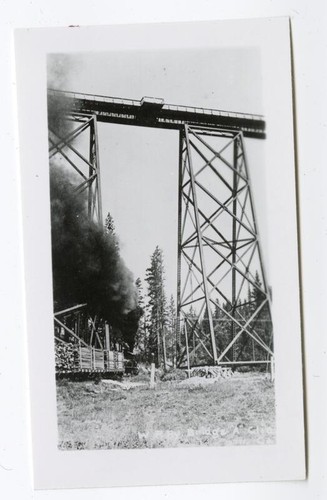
x=254 y=218
x=92 y=358
x=94 y=188
x=264 y=275
x=97 y=167
x=234 y=242
x=107 y=332
x=200 y=246
x=187 y=351
x=79 y=355
x=179 y=241
x=92 y=156
x=272 y=368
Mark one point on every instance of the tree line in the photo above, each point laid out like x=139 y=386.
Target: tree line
x=159 y=339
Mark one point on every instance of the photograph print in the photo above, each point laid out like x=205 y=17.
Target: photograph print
x=162 y=304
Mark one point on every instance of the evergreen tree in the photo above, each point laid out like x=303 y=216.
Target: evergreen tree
x=171 y=340
x=139 y=289
x=109 y=224
x=110 y=229
x=141 y=335
x=257 y=294
x=157 y=314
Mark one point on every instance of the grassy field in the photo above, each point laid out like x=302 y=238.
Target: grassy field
x=235 y=411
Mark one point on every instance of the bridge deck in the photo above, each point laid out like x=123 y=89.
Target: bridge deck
x=153 y=112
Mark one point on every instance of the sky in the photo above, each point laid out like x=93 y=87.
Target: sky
x=139 y=166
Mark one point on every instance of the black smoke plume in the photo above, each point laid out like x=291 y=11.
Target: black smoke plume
x=58 y=110
x=87 y=267
x=60 y=70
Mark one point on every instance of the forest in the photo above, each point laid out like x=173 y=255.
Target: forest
x=159 y=337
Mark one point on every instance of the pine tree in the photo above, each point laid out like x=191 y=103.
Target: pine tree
x=141 y=335
x=257 y=294
x=157 y=314
x=139 y=289
x=109 y=224
x=110 y=229
x=171 y=340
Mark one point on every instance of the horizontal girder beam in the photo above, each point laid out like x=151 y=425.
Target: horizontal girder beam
x=167 y=116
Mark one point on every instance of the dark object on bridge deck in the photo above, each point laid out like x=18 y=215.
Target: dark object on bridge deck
x=154 y=112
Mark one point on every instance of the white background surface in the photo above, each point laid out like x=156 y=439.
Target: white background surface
x=309 y=39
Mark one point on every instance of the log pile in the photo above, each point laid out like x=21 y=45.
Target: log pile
x=211 y=372
x=67 y=358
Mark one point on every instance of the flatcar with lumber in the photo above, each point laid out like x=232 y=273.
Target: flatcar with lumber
x=85 y=344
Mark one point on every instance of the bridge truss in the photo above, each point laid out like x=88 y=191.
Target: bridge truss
x=222 y=293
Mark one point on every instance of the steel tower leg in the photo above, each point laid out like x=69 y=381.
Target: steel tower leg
x=73 y=145
x=67 y=147
x=223 y=299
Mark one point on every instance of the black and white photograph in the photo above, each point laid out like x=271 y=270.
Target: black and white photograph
x=162 y=321
x=170 y=317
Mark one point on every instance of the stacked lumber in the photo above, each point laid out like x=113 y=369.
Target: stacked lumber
x=98 y=358
x=66 y=356
x=86 y=358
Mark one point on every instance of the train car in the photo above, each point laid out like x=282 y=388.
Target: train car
x=85 y=345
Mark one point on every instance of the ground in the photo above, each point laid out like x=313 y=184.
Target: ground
x=236 y=411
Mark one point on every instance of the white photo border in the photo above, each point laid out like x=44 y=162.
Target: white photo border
x=55 y=468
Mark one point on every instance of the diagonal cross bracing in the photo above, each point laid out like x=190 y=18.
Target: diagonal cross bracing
x=219 y=251
x=77 y=148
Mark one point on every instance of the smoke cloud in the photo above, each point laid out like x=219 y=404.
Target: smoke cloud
x=57 y=115
x=87 y=266
x=61 y=70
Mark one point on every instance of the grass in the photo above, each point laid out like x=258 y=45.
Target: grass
x=236 y=411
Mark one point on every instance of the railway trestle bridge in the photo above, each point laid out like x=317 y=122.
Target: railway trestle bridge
x=223 y=301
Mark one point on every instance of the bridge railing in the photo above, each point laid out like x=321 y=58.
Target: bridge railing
x=169 y=107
